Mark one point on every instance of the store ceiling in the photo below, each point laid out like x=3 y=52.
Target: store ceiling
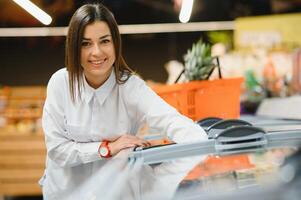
x=147 y=11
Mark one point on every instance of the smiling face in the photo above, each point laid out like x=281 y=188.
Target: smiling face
x=97 y=53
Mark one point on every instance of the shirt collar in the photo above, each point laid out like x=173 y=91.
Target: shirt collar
x=100 y=93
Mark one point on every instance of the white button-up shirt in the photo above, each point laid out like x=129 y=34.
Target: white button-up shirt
x=73 y=131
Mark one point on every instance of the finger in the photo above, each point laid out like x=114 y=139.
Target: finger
x=148 y=144
x=129 y=145
x=128 y=141
x=145 y=144
x=137 y=142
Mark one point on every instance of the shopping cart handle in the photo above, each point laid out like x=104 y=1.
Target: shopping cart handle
x=169 y=152
x=208 y=121
x=215 y=129
x=232 y=140
x=240 y=138
x=140 y=148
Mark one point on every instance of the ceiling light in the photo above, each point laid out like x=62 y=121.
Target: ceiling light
x=34 y=11
x=186 y=9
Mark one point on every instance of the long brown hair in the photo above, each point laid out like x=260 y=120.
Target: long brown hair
x=85 y=15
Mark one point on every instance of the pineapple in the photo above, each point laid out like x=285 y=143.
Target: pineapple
x=198 y=62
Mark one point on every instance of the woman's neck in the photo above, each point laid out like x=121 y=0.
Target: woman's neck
x=96 y=82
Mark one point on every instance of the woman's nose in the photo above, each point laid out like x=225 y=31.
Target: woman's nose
x=96 y=50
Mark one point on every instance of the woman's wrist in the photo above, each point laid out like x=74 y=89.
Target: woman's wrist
x=111 y=147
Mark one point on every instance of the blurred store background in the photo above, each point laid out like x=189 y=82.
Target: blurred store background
x=255 y=39
x=39 y=57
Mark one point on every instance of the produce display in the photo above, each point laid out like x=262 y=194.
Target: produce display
x=231 y=172
x=21 y=109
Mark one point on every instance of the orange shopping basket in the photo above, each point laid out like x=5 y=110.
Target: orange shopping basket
x=200 y=99
x=205 y=98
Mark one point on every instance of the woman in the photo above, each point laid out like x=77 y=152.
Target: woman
x=96 y=105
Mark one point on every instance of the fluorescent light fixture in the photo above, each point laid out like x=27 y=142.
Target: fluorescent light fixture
x=124 y=29
x=185 y=12
x=34 y=11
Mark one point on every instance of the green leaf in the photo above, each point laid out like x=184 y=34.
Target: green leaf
x=198 y=61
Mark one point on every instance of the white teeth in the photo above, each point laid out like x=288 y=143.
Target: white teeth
x=97 y=62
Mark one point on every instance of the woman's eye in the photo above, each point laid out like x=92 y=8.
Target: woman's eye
x=105 y=41
x=85 y=44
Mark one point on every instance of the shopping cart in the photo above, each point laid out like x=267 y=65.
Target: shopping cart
x=240 y=156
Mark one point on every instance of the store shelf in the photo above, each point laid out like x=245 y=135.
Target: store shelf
x=22 y=162
x=22 y=146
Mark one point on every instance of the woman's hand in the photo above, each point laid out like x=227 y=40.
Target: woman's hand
x=126 y=141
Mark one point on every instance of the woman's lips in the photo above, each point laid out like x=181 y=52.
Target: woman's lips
x=97 y=63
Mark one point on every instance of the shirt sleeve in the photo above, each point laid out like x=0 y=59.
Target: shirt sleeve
x=162 y=117
x=62 y=150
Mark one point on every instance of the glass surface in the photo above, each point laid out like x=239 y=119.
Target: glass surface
x=185 y=178
x=222 y=174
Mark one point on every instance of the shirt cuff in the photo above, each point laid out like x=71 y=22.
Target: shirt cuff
x=90 y=151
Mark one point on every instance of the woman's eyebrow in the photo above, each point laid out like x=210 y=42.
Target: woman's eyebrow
x=102 y=37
